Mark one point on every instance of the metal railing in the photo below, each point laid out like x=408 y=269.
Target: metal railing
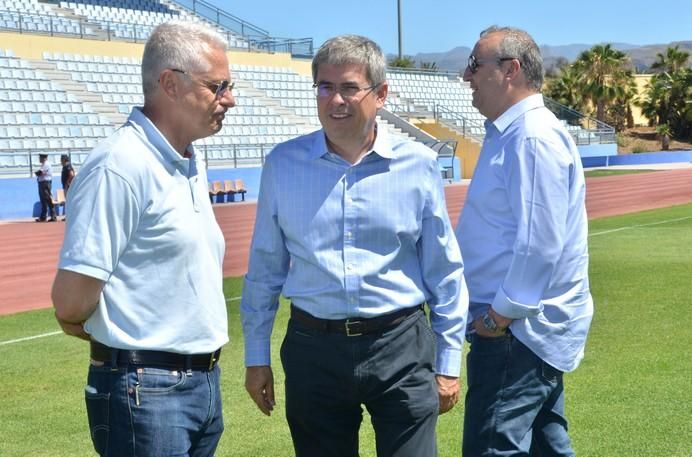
x=456 y=121
x=237 y=30
x=592 y=131
x=23 y=162
x=257 y=37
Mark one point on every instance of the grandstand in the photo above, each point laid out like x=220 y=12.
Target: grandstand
x=70 y=75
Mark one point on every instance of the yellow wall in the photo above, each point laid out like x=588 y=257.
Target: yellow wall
x=467 y=151
x=32 y=47
x=641 y=81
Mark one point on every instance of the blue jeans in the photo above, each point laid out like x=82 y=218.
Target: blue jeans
x=329 y=376
x=139 y=411
x=514 y=404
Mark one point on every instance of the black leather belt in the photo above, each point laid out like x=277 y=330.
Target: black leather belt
x=354 y=326
x=102 y=353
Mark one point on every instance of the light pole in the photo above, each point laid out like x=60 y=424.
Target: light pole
x=398 y=9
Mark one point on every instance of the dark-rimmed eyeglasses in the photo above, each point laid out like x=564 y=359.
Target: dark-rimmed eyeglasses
x=218 y=88
x=474 y=63
x=350 y=91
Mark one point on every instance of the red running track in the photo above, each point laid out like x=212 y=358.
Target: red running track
x=29 y=251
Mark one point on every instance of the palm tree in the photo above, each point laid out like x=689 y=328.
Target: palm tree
x=673 y=61
x=566 y=88
x=601 y=68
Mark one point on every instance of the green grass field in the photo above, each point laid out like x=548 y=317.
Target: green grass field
x=632 y=395
x=613 y=172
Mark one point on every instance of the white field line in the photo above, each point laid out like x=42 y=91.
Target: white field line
x=43 y=335
x=27 y=338
x=629 y=227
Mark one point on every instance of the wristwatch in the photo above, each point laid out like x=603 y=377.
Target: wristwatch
x=490 y=324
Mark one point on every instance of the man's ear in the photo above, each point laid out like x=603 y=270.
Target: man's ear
x=512 y=70
x=169 y=83
x=382 y=91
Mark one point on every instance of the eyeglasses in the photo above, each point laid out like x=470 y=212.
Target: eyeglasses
x=218 y=88
x=328 y=90
x=474 y=63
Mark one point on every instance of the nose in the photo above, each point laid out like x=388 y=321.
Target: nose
x=467 y=74
x=227 y=99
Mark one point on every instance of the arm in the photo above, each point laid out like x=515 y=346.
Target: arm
x=537 y=179
x=442 y=268
x=75 y=297
x=267 y=270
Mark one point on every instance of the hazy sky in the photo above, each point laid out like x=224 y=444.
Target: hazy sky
x=440 y=25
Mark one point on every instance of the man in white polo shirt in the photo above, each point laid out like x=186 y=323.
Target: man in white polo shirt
x=140 y=272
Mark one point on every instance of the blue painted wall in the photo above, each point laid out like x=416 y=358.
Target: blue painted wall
x=597 y=150
x=638 y=159
x=19 y=196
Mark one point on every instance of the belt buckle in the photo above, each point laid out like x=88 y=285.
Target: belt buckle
x=348 y=325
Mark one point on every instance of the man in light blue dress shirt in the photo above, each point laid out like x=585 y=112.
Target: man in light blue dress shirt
x=523 y=234
x=352 y=227
x=140 y=272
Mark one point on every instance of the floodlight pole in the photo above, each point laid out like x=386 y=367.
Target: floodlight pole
x=398 y=8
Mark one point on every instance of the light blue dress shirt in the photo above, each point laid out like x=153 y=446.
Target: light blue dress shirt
x=361 y=240
x=141 y=221
x=523 y=233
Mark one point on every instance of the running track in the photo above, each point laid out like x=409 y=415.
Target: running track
x=29 y=251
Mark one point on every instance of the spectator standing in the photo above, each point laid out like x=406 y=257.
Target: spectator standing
x=523 y=234
x=352 y=227
x=140 y=271
x=44 y=177
x=67 y=174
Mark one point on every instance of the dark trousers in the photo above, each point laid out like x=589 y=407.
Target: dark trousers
x=45 y=195
x=515 y=403
x=329 y=376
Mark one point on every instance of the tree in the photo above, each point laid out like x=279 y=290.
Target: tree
x=668 y=95
x=601 y=68
x=664 y=133
x=403 y=62
x=566 y=88
x=674 y=60
x=619 y=112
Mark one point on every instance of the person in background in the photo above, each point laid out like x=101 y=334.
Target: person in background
x=66 y=176
x=44 y=177
x=140 y=271
x=523 y=234
x=352 y=227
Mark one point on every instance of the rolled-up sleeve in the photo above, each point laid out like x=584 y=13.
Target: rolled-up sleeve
x=537 y=180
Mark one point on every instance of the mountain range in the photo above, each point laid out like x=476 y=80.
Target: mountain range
x=641 y=56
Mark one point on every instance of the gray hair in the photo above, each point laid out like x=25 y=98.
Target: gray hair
x=352 y=49
x=518 y=43
x=178 y=44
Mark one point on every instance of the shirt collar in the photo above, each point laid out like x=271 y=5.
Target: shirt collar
x=518 y=109
x=381 y=147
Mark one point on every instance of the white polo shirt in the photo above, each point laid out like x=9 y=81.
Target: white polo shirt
x=140 y=220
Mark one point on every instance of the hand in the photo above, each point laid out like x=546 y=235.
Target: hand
x=501 y=321
x=259 y=382
x=72 y=329
x=448 y=390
